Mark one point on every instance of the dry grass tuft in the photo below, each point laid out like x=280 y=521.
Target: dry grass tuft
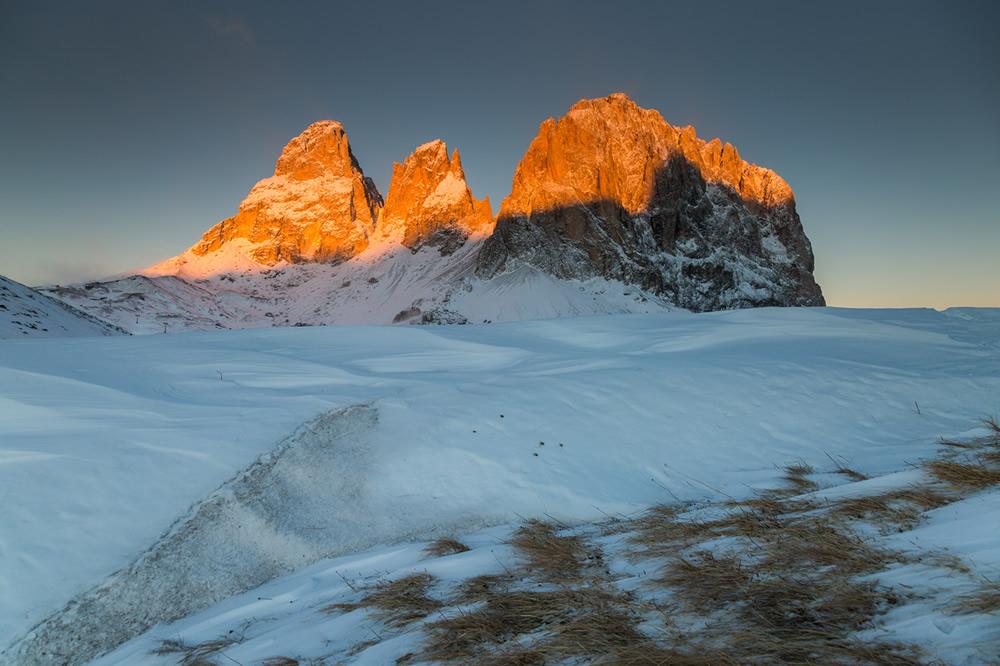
x=991 y=424
x=479 y=588
x=195 y=655
x=945 y=560
x=984 y=600
x=923 y=497
x=974 y=474
x=445 y=546
x=851 y=474
x=956 y=444
x=799 y=469
x=882 y=510
x=554 y=555
x=397 y=603
x=796 y=475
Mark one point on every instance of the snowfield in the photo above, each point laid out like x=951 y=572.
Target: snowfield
x=147 y=478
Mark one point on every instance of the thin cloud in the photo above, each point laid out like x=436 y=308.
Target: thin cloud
x=232 y=27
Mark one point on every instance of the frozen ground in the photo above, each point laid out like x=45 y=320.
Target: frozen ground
x=119 y=454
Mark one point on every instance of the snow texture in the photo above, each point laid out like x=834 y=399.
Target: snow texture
x=386 y=284
x=24 y=312
x=114 y=450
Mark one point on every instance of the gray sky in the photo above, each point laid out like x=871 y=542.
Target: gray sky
x=129 y=129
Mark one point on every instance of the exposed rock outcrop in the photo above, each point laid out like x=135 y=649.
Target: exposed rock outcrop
x=429 y=201
x=612 y=190
x=318 y=205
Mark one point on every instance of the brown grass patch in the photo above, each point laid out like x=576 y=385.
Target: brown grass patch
x=882 y=510
x=818 y=541
x=750 y=524
x=555 y=556
x=661 y=534
x=971 y=475
x=397 y=603
x=580 y=622
x=446 y=546
x=708 y=580
x=924 y=497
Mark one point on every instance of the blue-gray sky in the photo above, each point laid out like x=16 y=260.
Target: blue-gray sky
x=128 y=129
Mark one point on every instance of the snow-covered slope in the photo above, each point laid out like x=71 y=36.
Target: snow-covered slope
x=386 y=284
x=24 y=312
x=144 y=455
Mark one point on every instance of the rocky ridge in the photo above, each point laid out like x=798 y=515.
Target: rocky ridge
x=613 y=190
x=429 y=201
x=611 y=210
x=318 y=206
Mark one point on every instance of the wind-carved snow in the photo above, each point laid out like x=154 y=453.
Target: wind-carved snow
x=305 y=500
x=132 y=431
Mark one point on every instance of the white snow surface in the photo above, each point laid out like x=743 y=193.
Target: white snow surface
x=386 y=284
x=284 y=446
x=27 y=313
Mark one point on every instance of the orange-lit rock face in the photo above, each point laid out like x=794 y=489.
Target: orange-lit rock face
x=610 y=149
x=429 y=196
x=613 y=191
x=318 y=205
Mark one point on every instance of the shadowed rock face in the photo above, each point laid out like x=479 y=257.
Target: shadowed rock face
x=318 y=205
x=430 y=202
x=612 y=190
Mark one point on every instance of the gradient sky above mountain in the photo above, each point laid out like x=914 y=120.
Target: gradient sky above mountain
x=129 y=129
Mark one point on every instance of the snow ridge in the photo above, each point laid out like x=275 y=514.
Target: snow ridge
x=303 y=501
x=25 y=312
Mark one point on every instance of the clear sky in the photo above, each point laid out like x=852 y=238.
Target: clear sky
x=127 y=129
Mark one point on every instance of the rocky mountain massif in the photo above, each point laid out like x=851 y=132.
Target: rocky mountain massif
x=612 y=209
x=613 y=190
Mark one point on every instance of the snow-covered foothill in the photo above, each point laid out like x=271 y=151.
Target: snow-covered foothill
x=386 y=284
x=27 y=313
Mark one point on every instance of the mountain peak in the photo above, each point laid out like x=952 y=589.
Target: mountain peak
x=612 y=190
x=321 y=150
x=429 y=200
x=318 y=206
